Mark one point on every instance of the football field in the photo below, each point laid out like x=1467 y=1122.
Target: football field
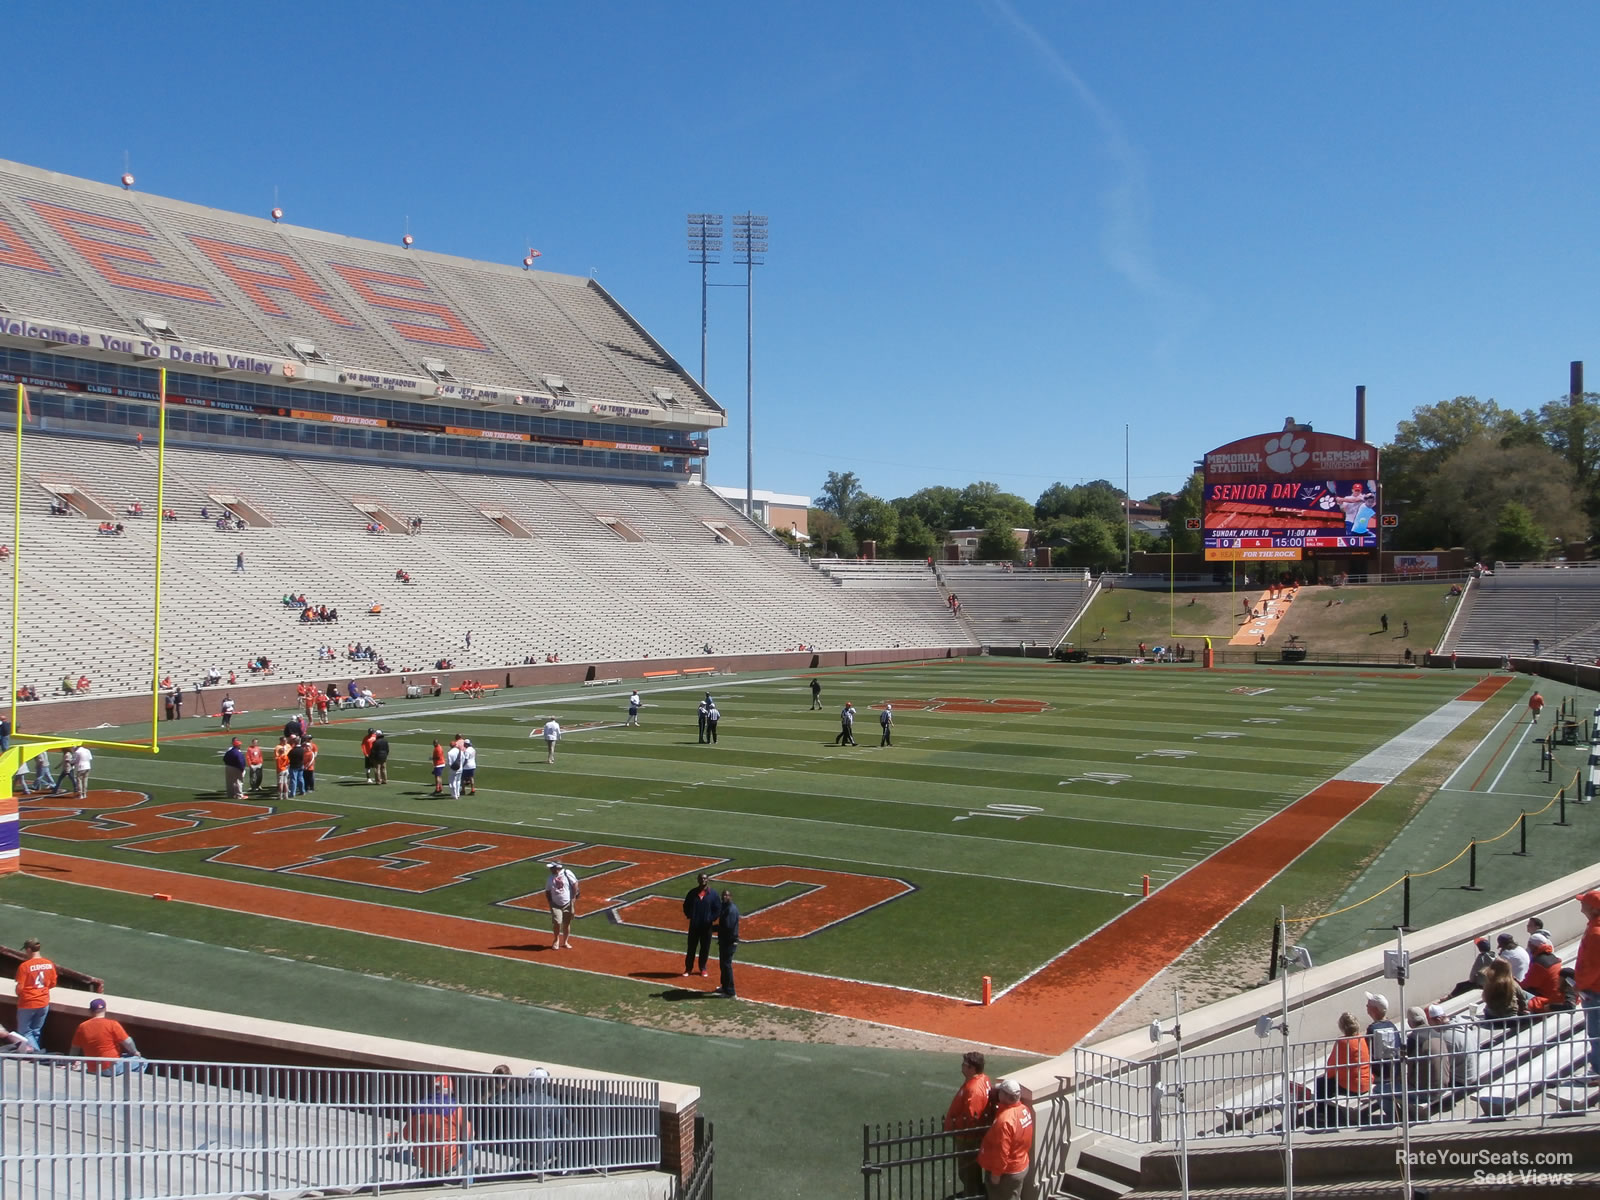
x=1018 y=810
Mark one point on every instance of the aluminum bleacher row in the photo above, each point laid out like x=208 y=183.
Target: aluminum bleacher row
x=1504 y=611
x=1005 y=607
x=563 y=577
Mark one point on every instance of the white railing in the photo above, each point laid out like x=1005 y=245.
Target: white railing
x=168 y=1130
x=1454 y=1072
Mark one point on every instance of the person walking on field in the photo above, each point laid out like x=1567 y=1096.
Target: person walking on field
x=1535 y=707
x=847 y=725
x=633 y=707
x=966 y=1111
x=713 y=718
x=816 y=694
x=438 y=767
x=552 y=735
x=1008 y=1144
x=702 y=720
x=561 y=890
x=886 y=719
x=701 y=906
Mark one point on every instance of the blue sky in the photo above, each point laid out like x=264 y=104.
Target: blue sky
x=1000 y=230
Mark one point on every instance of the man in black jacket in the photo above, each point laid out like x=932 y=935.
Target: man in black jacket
x=380 y=756
x=701 y=906
x=727 y=943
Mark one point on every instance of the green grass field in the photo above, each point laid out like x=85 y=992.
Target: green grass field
x=1055 y=814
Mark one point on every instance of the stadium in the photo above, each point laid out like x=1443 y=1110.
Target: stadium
x=256 y=462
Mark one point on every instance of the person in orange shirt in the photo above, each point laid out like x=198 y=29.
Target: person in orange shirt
x=1587 y=978
x=437 y=1130
x=966 y=1111
x=1348 y=1073
x=1006 y=1147
x=280 y=757
x=310 y=767
x=366 y=754
x=35 y=977
x=254 y=759
x=102 y=1037
x=322 y=706
x=438 y=768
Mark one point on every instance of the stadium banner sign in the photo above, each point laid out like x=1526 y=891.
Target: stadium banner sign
x=1292 y=455
x=502 y=435
x=1252 y=554
x=1406 y=563
x=636 y=447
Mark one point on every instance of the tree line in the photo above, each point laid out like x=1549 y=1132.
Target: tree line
x=1462 y=472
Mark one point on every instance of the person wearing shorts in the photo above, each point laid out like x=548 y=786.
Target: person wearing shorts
x=438 y=768
x=469 y=767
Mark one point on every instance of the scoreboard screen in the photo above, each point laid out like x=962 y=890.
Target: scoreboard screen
x=1282 y=514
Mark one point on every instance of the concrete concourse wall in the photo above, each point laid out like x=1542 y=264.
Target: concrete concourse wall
x=69 y=713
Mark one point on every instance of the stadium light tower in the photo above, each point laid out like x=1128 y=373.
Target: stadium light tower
x=705 y=241
x=750 y=242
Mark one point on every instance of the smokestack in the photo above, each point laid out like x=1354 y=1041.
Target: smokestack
x=1575 y=386
x=1361 y=412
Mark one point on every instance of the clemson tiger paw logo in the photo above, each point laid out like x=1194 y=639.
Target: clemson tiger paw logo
x=1287 y=452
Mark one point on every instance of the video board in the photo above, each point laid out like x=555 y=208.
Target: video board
x=1285 y=514
x=1291 y=495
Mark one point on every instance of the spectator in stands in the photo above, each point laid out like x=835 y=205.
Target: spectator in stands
x=1383 y=1047
x=437 y=1130
x=104 y=1038
x=1503 y=1000
x=1567 y=997
x=1588 y=977
x=66 y=684
x=17 y=1043
x=1513 y=954
x=1474 y=980
x=967 y=1110
x=1458 y=1040
x=1543 y=976
x=233 y=768
x=238 y=563
x=36 y=975
x=1348 y=1073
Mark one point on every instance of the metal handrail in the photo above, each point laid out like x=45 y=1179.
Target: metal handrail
x=132 y=1129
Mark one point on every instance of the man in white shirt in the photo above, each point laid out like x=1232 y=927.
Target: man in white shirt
x=561 y=889
x=552 y=735
x=82 y=761
x=456 y=760
x=1514 y=954
x=633 y=708
x=228 y=708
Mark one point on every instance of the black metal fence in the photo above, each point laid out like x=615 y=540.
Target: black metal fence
x=698 y=1185
x=918 y=1160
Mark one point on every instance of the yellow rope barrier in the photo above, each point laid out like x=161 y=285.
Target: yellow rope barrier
x=1422 y=874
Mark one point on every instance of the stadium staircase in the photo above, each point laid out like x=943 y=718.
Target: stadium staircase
x=574 y=589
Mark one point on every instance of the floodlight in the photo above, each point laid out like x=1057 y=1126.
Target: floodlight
x=1263 y=1025
x=1300 y=956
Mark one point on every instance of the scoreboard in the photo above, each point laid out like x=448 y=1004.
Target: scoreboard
x=1280 y=518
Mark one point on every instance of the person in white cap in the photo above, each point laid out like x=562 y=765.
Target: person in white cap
x=1383 y=1045
x=886 y=719
x=1008 y=1144
x=561 y=889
